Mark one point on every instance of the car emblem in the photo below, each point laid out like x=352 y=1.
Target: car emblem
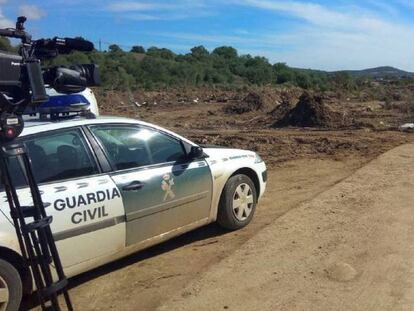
x=166 y=186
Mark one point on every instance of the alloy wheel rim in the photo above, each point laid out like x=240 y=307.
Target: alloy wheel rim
x=243 y=202
x=4 y=294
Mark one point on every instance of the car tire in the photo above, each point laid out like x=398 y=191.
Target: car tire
x=11 y=289
x=237 y=203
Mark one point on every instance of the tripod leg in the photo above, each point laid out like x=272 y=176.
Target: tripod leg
x=44 y=266
x=35 y=237
x=47 y=232
x=18 y=220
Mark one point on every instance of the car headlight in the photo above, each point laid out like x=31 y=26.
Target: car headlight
x=258 y=159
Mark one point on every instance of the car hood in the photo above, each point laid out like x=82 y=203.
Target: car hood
x=216 y=152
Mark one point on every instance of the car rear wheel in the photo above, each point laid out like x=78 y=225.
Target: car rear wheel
x=10 y=287
x=237 y=202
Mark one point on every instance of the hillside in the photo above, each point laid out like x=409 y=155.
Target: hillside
x=384 y=72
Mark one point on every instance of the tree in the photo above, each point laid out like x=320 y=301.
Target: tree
x=161 y=67
x=161 y=53
x=303 y=80
x=199 y=52
x=283 y=73
x=226 y=52
x=343 y=80
x=114 y=48
x=258 y=70
x=138 y=49
x=5 y=45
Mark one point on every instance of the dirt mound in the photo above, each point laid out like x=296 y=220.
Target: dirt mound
x=310 y=111
x=281 y=110
x=252 y=102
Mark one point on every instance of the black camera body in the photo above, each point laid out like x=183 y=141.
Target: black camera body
x=22 y=79
x=10 y=73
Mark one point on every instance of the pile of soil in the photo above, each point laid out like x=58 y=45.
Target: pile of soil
x=310 y=111
x=252 y=102
x=281 y=110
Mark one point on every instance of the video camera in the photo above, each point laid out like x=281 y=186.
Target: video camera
x=22 y=79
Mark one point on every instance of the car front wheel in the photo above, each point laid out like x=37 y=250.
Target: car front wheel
x=237 y=202
x=10 y=287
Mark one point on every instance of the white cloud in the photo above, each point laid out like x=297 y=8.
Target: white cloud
x=317 y=14
x=5 y=22
x=137 y=6
x=32 y=12
x=160 y=10
x=133 y=6
x=143 y=17
x=330 y=39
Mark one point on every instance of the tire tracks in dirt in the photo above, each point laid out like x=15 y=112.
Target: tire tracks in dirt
x=350 y=248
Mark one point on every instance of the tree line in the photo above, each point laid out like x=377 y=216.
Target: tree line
x=155 y=68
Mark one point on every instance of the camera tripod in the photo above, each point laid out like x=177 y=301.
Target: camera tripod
x=22 y=85
x=33 y=231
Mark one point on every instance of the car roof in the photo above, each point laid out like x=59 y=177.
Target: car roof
x=40 y=126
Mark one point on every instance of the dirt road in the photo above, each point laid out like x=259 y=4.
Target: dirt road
x=149 y=278
x=350 y=248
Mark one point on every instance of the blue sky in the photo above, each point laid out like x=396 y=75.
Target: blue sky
x=322 y=34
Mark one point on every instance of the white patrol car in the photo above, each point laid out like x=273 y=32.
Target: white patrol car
x=115 y=186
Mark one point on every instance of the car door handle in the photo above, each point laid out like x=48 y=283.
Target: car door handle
x=135 y=185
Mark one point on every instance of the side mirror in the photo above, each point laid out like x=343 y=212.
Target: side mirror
x=196 y=152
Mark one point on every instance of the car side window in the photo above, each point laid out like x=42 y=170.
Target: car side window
x=66 y=154
x=56 y=156
x=164 y=148
x=125 y=147
x=129 y=147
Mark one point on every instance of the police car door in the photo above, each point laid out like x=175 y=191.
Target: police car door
x=161 y=190
x=88 y=217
